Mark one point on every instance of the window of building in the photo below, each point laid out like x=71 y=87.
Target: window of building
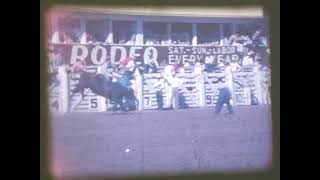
x=208 y=33
x=155 y=33
x=124 y=32
x=69 y=30
x=97 y=30
x=181 y=33
x=227 y=30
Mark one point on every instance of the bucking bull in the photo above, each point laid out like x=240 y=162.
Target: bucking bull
x=112 y=91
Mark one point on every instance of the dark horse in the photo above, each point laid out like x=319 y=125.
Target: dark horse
x=103 y=86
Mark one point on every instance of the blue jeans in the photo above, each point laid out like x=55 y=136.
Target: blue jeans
x=159 y=99
x=224 y=98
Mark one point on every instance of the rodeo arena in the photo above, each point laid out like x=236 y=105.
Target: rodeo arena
x=145 y=91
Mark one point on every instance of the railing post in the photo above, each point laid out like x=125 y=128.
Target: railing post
x=229 y=76
x=139 y=90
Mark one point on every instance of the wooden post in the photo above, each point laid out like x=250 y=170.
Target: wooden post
x=257 y=81
x=230 y=77
x=202 y=90
x=101 y=100
x=139 y=32
x=169 y=32
x=83 y=36
x=221 y=34
x=63 y=90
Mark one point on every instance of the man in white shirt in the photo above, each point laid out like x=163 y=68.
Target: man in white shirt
x=175 y=84
x=198 y=69
x=168 y=71
x=235 y=66
x=224 y=96
x=248 y=60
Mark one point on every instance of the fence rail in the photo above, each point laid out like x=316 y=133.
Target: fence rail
x=249 y=87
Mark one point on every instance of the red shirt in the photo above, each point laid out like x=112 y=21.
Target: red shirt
x=175 y=67
x=126 y=61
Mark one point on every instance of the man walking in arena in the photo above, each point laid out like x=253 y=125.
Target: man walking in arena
x=224 y=96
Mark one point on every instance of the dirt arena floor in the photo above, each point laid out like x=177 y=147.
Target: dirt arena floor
x=192 y=141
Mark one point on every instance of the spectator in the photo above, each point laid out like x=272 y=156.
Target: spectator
x=181 y=39
x=186 y=38
x=151 y=66
x=257 y=40
x=59 y=37
x=209 y=66
x=63 y=37
x=248 y=60
x=183 y=68
x=234 y=38
x=246 y=40
x=257 y=57
x=149 y=41
x=168 y=72
x=164 y=40
x=122 y=41
x=83 y=38
x=156 y=39
x=268 y=50
x=198 y=68
x=220 y=64
x=56 y=57
x=176 y=68
x=90 y=38
x=67 y=38
x=132 y=40
x=54 y=63
x=122 y=38
x=227 y=69
x=235 y=66
x=225 y=42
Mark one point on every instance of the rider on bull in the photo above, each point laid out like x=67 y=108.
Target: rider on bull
x=79 y=67
x=124 y=80
x=129 y=64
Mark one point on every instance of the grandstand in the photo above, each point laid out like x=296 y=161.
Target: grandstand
x=169 y=35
